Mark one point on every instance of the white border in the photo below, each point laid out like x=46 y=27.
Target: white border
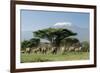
x=60 y=63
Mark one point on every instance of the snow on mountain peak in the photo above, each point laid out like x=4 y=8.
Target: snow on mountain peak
x=63 y=24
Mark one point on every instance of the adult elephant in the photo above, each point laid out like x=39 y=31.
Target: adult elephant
x=44 y=48
x=28 y=50
x=54 y=50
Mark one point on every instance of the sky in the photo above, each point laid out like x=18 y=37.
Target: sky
x=32 y=20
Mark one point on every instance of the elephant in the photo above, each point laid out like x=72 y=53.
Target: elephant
x=78 y=49
x=54 y=50
x=28 y=50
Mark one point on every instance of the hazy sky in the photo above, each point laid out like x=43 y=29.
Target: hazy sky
x=32 y=20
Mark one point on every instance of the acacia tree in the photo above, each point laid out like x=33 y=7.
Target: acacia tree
x=34 y=42
x=62 y=34
x=69 y=41
x=54 y=35
x=24 y=44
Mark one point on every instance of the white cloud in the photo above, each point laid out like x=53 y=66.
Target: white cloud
x=63 y=24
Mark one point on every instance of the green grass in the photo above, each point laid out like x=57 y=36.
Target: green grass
x=51 y=57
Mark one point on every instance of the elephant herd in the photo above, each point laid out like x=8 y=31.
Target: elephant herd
x=47 y=48
x=43 y=50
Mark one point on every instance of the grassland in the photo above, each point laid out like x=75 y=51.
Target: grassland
x=51 y=57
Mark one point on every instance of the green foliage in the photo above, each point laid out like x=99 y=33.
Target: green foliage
x=30 y=43
x=69 y=41
x=34 y=42
x=24 y=44
x=54 y=35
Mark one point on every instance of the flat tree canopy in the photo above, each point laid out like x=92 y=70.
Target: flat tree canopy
x=54 y=35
